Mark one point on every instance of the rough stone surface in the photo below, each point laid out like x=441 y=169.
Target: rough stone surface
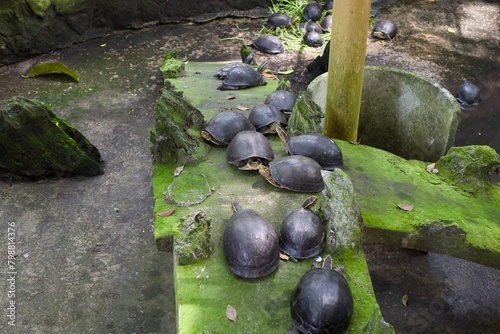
x=408 y=115
x=176 y=135
x=34 y=27
x=306 y=116
x=469 y=166
x=34 y=143
x=193 y=243
x=341 y=210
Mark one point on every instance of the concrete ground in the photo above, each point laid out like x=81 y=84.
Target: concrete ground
x=86 y=260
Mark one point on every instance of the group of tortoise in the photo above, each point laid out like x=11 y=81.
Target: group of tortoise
x=250 y=244
x=321 y=302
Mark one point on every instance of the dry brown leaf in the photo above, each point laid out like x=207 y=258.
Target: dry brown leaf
x=166 y=213
x=242 y=108
x=230 y=97
x=270 y=76
x=284 y=256
x=405 y=207
x=231 y=313
x=431 y=167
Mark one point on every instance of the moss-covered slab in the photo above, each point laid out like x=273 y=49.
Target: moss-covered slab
x=205 y=288
x=446 y=218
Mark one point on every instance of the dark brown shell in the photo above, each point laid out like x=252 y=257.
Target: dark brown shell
x=268 y=44
x=249 y=146
x=225 y=125
x=250 y=244
x=322 y=302
x=301 y=233
x=316 y=146
x=263 y=115
x=297 y=173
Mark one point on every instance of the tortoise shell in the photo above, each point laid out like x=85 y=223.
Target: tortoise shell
x=249 y=150
x=301 y=232
x=322 y=302
x=222 y=128
x=250 y=244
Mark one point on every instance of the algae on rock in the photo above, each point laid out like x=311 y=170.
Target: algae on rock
x=176 y=135
x=194 y=242
x=469 y=166
x=35 y=143
x=306 y=116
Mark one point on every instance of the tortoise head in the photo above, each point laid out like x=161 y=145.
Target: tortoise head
x=208 y=137
x=264 y=171
x=251 y=164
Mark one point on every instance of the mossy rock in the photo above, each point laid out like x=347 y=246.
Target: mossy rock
x=176 y=136
x=35 y=143
x=306 y=116
x=469 y=166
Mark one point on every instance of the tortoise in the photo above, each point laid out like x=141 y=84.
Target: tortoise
x=322 y=301
x=316 y=146
x=283 y=100
x=266 y=118
x=301 y=232
x=468 y=94
x=222 y=72
x=278 y=20
x=240 y=77
x=295 y=173
x=312 y=11
x=249 y=150
x=250 y=244
x=268 y=44
x=312 y=39
x=222 y=128
x=326 y=23
x=312 y=26
x=385 y=29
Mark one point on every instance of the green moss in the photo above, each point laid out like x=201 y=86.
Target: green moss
x=63 y=7
x=39 y=7
x=468 y=167
x=383 y=180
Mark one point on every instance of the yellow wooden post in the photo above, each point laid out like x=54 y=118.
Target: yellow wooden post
x=346 y=68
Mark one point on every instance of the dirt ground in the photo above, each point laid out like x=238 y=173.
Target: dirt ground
x=86 y=260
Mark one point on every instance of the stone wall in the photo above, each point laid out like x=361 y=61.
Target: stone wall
x=29 y=27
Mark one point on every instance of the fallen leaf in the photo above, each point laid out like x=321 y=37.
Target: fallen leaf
x=284 y=72
x=405 y=299
x=242 y=108
x=103 y=45
x=230 y=97
x=231 y=313
x=426 y=35
x=53 y=67
x=405 y=207
x=284 y=256
x=430 y=167
x=271 y=76
x=178 y=170
x=451 y=30
x=167 y=213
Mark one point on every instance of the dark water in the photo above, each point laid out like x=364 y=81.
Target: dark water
x=481 y=125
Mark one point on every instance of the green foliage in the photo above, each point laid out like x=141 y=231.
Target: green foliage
x=292 y=37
